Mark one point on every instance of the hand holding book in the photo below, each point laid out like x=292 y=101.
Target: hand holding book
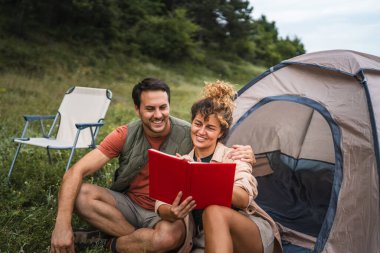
x=179 y=210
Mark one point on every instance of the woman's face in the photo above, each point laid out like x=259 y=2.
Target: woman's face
x=205 y=134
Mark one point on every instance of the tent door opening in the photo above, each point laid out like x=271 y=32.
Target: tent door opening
x=298 y=168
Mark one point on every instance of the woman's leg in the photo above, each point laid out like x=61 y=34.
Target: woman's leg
x=227 y=230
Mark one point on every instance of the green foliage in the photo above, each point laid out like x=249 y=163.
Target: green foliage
x=288 y=48
x=167 y=37
x=269 y=48
x=166 y=30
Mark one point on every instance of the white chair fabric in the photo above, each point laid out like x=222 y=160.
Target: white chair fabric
x=80 y=116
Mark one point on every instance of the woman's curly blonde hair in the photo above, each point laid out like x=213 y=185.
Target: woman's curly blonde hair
x=218 y=98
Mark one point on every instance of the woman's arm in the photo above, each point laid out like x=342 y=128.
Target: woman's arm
x=240 y=197
x=245 y=185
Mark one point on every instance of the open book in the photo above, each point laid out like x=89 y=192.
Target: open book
x=207 y=183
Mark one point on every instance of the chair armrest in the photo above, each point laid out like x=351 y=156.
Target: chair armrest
x=81 y=126
x=38 y=117
x=21 y=139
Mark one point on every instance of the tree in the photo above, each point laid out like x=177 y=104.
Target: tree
x=167 y=37
x=270 y=49
x=288 y=48
x=165 y=29
x=224 y=26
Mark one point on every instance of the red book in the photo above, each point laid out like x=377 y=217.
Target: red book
x=207 y=183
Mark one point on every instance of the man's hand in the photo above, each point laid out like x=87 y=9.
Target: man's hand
x=180 y=211
x=243 y=153
x=62 y=240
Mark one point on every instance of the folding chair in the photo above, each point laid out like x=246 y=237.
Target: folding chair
x=80 y=115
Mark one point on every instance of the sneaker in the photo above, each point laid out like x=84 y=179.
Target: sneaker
x=90 y=240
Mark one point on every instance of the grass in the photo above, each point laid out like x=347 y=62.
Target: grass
x=34 y=83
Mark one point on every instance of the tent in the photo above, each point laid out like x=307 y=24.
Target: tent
x=314 y=124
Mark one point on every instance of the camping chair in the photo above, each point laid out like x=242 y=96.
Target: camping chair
x=80 y=115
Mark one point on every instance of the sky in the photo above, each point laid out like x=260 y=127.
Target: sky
x=326 y=24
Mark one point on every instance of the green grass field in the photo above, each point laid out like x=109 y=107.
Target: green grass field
x=28 y=206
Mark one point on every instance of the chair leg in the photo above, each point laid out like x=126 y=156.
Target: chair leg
x=14 y=161
x=71 y=157
x=49 y=156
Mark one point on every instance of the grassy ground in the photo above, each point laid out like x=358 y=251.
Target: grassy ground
x=28 y=207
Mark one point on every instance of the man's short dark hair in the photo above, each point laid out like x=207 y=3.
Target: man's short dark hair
x=148 y=84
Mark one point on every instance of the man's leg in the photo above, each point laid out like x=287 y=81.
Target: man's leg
x=97 y=206
x=164 y=237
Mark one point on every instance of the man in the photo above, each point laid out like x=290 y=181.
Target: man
x=125 y=211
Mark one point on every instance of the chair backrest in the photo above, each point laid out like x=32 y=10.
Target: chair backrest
x=81 y=105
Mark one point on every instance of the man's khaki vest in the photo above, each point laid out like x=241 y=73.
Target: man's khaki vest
x=134 y=155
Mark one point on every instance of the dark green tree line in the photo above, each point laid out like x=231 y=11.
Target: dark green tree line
x=169 y=30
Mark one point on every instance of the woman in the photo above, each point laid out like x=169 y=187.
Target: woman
x=244 y=227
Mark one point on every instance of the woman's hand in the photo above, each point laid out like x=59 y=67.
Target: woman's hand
x=181 y=210
x=185 y=157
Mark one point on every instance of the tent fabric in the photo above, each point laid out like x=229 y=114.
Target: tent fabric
x=286 y=116
x=323 y=108
x=345 y=61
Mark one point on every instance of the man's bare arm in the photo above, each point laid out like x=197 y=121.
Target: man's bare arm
x=243 y=153
x=62 y=236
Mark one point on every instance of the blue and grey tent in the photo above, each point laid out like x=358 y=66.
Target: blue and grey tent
x=314 y=124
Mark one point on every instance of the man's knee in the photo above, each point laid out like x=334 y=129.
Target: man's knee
x=84 y=198
x=168 y=236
